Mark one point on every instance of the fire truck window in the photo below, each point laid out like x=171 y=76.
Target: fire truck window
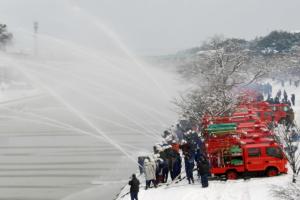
x=274 y=108
x=268 y=136
x=274 y=152
x=238 y=117
x=267 y=113
x=284 y=108
x=251 y=121
x=255 y=152
x=258 y=114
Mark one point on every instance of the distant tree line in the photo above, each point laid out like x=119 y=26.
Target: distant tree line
x=276 y=42
x=5 y=36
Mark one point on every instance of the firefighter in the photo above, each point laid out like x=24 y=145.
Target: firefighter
x=162 y=154
x=183 y=145
x=197 y=159
x=191 y=148
x=157 y=170
x=175 y=168
x=179 y=163
x=189 y=168
x=200 y=143
x=175 y=145
x=165 y=170
x=204 y=170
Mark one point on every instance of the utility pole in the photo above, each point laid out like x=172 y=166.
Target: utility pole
x=35 y=26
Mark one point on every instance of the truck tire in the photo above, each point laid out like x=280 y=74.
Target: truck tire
x=272 y=172
x=231 y=175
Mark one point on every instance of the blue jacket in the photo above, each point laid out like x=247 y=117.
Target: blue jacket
x=164 y=166
x=190 y=164
x=179 y=161
x=176 y=166
x=141 y=164
x=197 y=156
x=200 y=145
x=157 y=168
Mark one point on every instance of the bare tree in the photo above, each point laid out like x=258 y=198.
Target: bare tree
x=289 y=138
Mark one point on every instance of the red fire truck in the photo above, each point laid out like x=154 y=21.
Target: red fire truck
x=278 y=110
x=230 y=158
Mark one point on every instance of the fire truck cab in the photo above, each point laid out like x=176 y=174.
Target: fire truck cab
x=280 y=111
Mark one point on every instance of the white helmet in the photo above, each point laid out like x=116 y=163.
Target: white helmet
x=146 y=161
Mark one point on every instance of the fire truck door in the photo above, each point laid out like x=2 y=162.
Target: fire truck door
x=254 y=160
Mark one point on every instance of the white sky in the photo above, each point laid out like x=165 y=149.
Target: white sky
x=148 y=27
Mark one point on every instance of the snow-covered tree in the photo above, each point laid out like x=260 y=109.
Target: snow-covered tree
x=5 y=36
x=289 y=138
x=223 y=66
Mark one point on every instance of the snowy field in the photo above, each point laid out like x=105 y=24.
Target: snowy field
x=253 y=189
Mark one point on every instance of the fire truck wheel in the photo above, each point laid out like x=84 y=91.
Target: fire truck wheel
x=231 y=175
x=272 y=172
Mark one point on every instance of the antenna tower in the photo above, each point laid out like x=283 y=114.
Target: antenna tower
x=35 y=26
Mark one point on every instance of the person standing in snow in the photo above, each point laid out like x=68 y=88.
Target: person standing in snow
x=162 y=154
x=197 y=159
x=149 y=173
x=175 y=168
x=165 y=170
x=285 y=96
x=179 y=164
x=203 y=168
x=141 y=164
x=134 y=187
x=152 y=162
x=293 y=99
x=189 y=168
x=157 y=170
x=279 y=94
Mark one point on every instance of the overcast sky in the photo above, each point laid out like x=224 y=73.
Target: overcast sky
x=148 y=27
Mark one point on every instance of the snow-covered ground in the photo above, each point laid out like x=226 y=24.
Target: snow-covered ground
x=253 y=189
